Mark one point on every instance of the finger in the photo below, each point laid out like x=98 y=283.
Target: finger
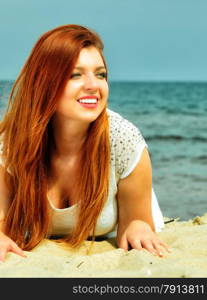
x=163 y=244
x=3 y=254
x=160 y=244
x=148 y=245
x=136 y=244
x=159 y=248
x=14 y=248
x=124 y=244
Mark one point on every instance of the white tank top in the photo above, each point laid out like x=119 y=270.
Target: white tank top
x=127 y=145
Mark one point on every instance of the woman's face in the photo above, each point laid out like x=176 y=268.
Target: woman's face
x=86 y=92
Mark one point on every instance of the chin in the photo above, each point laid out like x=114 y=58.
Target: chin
x=91 y=116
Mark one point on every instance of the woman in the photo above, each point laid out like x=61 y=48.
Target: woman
x=70 y=167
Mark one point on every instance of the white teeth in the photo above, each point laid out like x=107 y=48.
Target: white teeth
x=88 y=101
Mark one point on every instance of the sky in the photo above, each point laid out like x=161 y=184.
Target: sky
x=145 y=40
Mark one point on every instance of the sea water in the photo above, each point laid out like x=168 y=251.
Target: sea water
x=172 y=117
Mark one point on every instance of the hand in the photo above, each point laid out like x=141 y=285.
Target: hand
x=139 y=235
x=7 y=245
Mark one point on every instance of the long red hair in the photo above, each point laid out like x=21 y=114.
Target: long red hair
x=27 y=134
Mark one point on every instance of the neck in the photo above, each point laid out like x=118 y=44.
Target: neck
x=69 y=137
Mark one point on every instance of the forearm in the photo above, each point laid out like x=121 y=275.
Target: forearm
x=2 y=223
x=135 y=222
x=5 y=197
x=134 y=210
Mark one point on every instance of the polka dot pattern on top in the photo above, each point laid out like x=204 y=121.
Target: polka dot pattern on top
x=127 y=144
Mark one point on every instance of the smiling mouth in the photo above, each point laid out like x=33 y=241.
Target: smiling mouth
x=88 y=102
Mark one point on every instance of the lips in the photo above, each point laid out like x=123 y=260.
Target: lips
x=88 y=101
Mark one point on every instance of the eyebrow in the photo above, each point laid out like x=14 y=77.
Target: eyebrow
x=97 y=69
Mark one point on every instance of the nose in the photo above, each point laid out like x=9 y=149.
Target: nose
x=91 y=83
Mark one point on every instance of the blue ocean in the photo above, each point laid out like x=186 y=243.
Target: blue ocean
x=172 y=117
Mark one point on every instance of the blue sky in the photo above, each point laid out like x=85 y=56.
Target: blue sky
x=144 y=39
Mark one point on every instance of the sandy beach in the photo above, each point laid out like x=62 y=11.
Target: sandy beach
x=187 y=259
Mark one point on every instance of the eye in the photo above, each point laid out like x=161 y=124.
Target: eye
x=75 y=75
x=101 y=75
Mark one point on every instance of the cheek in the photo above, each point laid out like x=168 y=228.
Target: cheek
x=72 y=89
x=105 y=90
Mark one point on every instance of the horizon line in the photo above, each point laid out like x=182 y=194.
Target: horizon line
x=145 y=80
